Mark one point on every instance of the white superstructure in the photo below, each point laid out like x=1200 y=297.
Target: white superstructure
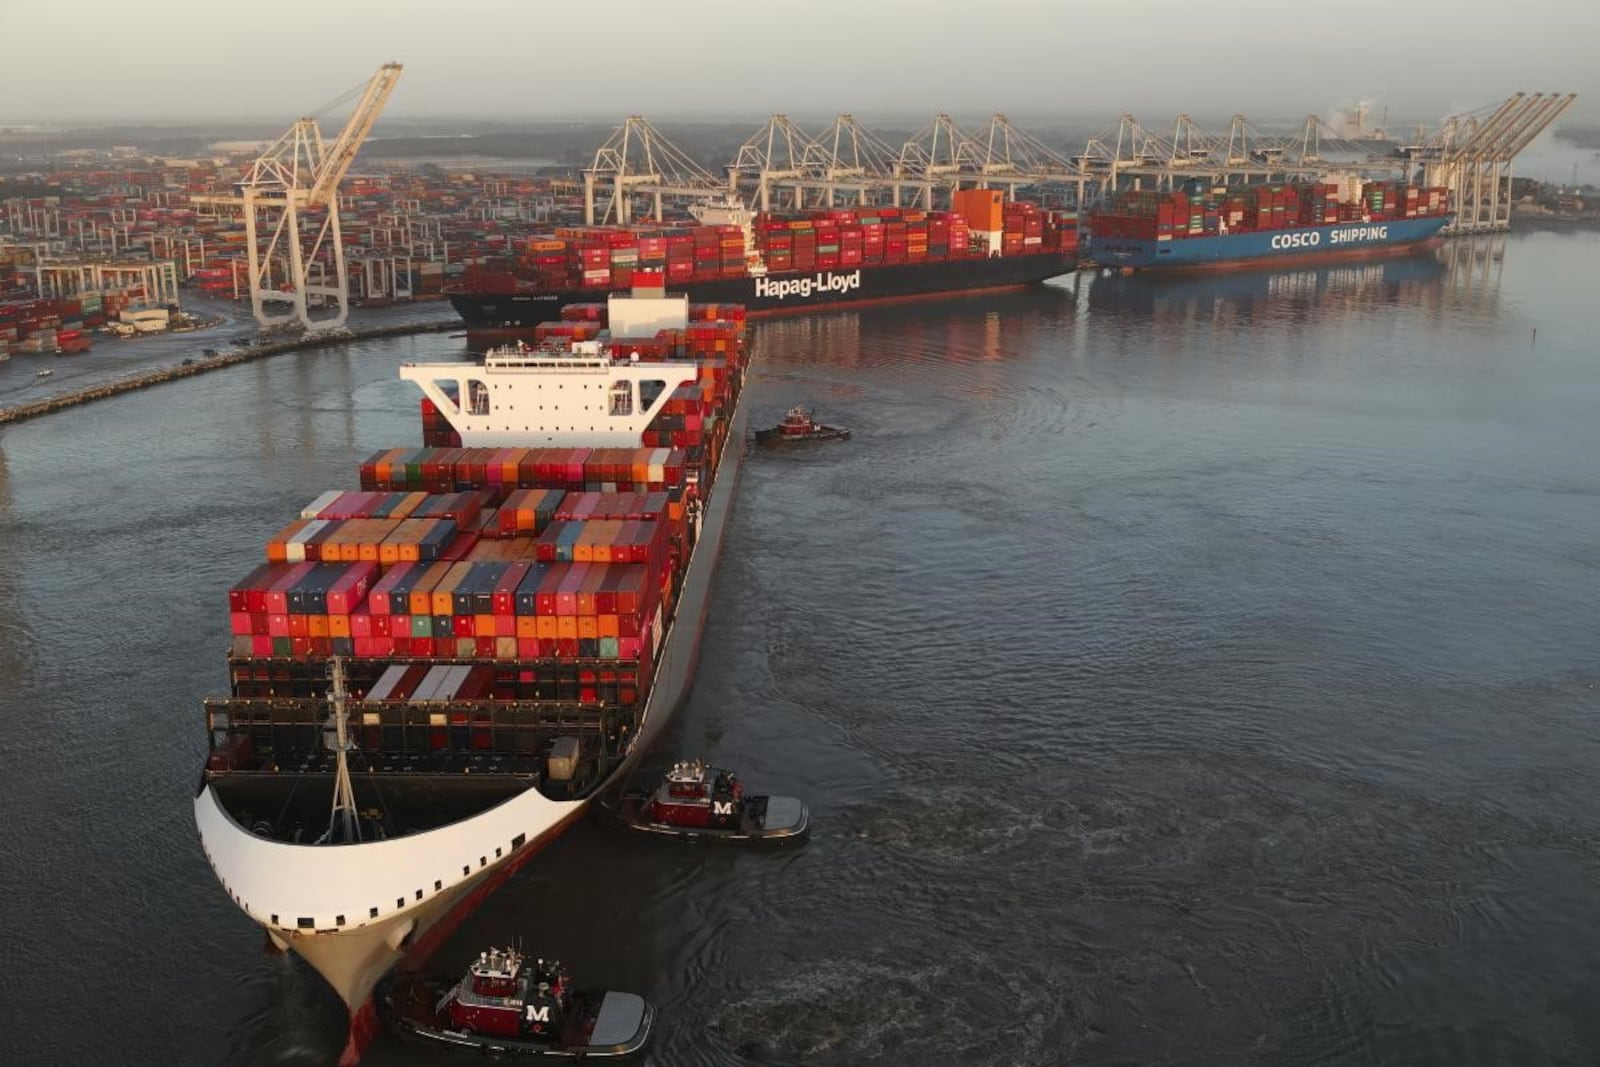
x=587 y=395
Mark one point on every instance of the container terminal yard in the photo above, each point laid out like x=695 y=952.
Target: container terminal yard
x=108 y=251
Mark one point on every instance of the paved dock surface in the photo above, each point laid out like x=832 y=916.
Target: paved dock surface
x=118 y=365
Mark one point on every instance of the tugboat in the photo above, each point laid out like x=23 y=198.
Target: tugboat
x=800 y=425
x=698 y=801
x=509 y=1005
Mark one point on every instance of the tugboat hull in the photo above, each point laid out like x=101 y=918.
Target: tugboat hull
x=614 y=1024
x=821 y=433
x=764 y=819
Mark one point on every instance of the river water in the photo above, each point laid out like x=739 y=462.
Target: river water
x=1178 y=671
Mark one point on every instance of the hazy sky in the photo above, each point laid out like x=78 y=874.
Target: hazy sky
x=174 y=59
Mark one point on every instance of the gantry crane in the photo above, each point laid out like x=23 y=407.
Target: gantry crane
x=1137 y=157
x=843 y=164
x=1471 y=155
x=1473 y=158
x=848 y=164
x=1008 y=157
x=638 y=159
x=291 y=183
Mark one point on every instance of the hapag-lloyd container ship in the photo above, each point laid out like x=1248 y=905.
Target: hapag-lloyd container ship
x=1265 y=225
x=775 y=264
x=433 y=676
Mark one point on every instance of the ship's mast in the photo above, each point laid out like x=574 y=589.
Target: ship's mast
x=344 y=798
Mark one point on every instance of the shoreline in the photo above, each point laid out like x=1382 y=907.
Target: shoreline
x=1555 y=222
x=204 y=364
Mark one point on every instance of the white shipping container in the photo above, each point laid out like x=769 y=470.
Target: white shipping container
x=311 y=510
x=139 y=318
x=295 y=550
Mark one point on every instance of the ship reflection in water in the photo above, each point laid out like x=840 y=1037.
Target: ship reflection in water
x=1239 y=296
x=994 y=327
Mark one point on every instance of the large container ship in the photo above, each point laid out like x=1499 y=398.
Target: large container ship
x=433 y=675
x=773 y=264
x=1265 y=225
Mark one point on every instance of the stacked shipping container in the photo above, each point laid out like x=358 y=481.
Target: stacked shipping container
x=146 y=210
x=604 y=258
x=51 y=325
x=1208 y=212
x=454 y=578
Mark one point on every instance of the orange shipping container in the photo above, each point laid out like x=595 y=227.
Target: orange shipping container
x=443 y=599
x=984 y=209
x=421 y=599
x=350 y=541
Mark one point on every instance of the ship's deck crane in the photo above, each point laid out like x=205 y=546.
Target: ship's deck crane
x=292 y=181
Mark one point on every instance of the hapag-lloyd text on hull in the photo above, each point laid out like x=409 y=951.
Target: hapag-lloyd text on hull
x=805 y=288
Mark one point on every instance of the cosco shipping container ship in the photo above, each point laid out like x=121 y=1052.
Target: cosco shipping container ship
x=433 y=675
x=774 y=264
x=1265 y=225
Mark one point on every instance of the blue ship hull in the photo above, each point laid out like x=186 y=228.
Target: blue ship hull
x=1300 y=245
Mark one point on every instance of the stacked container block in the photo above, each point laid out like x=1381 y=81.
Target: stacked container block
x=1204 y=212
x=465 y=574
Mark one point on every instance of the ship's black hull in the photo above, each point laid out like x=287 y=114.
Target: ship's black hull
x=790 y=293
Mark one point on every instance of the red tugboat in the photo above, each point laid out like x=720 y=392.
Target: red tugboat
x=507 y=1004
x=800 y=425
x=698 y=801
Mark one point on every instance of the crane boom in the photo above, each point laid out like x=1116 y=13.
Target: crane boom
x=337 y=159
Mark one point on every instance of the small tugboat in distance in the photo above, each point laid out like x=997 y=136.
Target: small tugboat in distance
x=697 y=801
x=509 y=1005
x=798 y=425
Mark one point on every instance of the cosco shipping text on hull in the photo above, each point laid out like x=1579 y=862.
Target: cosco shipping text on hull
x=1296 y=245
x=788 y=293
